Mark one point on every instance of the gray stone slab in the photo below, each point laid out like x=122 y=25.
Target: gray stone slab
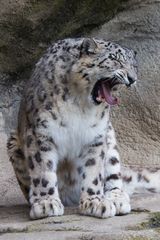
x=15 y=223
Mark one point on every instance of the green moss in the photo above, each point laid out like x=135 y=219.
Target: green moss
x=154 y=221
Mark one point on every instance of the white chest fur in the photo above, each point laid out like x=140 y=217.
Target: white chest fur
x=79 y=129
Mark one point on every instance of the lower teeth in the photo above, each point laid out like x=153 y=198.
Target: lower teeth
x=100 y=99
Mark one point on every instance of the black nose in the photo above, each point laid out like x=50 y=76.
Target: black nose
x=131 y=81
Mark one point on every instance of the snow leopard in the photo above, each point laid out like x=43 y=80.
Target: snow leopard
x=64 y=150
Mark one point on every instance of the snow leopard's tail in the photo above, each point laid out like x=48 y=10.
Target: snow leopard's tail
x=141 y=180
x=17 y=159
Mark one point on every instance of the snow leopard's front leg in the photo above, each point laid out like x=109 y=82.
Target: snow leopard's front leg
x=42 y=158
x=113 y=185
x=92 y=201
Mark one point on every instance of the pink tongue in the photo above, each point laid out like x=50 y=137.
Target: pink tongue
x=106 y=93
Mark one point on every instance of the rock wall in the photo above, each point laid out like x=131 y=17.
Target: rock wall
x=137 y=119
x=26 y=29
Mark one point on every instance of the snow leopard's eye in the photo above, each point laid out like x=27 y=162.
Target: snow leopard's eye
x=112 y=56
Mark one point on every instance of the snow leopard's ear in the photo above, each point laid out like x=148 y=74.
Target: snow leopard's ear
x=88 y=46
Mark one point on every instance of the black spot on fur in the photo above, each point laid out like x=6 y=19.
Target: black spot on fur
x=36 y=110
x=38 y=120
x=84 y=175
x=95 y=181
x=43 y=194
x=100 y=177
x=109 y=127
x=127 y=179
x=44 y=182
x=38 y=157
x=114 y=188
x=98 y=192
x=139 y=177
x=84 y=75
x=39 y=142
x=91 y=150
x=54 y=116
x=79 y=170
x=50 y=165
x=65 y=94
x=113 y=177
x=29 y=140
x=103 y=113
x=90 y=191
x=44 y=209
x=90 y=65
x=30 y=163
x=44 y=123
x=80 y=155
x=62 y=58
x=90 y=162
x=62 y=124
x=49 y=106
x=50 y=139
x=102 y=61
x=34 y=194
x=51 y=207
x=115 y=147
x=113 y=160
x=57 y=90
x=102 y=154
x=85 y=205
x=36 y=181
x=51 y=191
x=45 y=148
x=19 y=153
x=92 y=210
x=97 y=144
x=103 y=210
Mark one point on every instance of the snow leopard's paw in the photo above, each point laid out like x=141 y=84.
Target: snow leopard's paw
x=120 y=200
x=46 y=208
x=97 y=207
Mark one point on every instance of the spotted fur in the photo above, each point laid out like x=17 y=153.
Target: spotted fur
x=64 y=150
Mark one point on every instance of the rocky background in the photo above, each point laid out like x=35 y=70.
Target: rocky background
x=28 y=27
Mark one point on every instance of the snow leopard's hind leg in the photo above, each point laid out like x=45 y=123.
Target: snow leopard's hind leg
x=113 y=184
x=17 y=159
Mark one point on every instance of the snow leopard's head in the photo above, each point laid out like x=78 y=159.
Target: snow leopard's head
x=101 y=66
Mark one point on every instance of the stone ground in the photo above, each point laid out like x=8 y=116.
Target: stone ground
x=142 y=224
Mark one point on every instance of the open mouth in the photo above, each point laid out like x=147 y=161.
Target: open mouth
x=102 y=91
